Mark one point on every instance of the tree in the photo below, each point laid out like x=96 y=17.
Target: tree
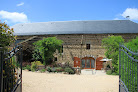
x=6 y=35
x=44 y=49
x=6 y=39
x=133 y=44
x=111 y=44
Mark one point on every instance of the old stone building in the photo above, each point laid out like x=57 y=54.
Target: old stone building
x=82 y=39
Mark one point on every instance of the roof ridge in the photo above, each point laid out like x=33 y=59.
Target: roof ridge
x=71 y=21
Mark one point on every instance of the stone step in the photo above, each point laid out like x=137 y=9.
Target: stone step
x=88 y=71
x=92 y=72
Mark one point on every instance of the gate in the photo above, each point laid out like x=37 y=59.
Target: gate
x=128 y=69
x=11 y=70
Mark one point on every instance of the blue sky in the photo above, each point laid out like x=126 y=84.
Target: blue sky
x=28 y=11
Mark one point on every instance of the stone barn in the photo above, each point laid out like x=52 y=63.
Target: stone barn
x=82 y=39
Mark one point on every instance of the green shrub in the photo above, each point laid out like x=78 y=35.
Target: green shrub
x=69 y=70
x=109 y=72
x=115 y=73
x=38 y=63
x=23 y=68
x=43 y=70
x=49 y=69
x=33 y=66
x=28 y=67
x=59 y=69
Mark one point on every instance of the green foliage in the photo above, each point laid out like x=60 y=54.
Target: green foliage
x=36 y=55
x=111 y=44
x=128 y=69
x=115 y=73
x=45 y=48
x=59 y=69
x=6 y=35
x=33 y=66
x=43 y=70
x=69 y=70
x=109 y=72
x=128 y=72
x=6 y=39
x=7 y=73
x=23 y=68
x=133 y=44
x=38 y=63
x=49 y=69
x=28 y=67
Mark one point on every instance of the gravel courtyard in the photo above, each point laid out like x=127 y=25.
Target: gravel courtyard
x=53 y=82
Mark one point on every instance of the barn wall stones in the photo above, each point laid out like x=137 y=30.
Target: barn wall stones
x=72 y=45
x=75 y=45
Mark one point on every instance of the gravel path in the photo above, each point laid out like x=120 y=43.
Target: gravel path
x=44 y=82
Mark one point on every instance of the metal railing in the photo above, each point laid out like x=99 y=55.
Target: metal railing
x=128 y=69
x=11 y=70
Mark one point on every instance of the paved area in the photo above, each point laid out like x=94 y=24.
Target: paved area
x=53 y=82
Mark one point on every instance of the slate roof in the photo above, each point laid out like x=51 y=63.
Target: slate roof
x=77 y=27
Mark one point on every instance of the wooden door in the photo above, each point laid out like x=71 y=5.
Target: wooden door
x=76 y=62
x=88 y=63
x=99 y=64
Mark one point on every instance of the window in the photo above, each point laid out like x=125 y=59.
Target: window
x=88 y=46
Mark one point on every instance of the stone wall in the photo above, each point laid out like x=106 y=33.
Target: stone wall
x=75 y=45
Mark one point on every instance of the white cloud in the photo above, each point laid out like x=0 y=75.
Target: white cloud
x=131 y=12
x=20 y=4
x=13 y=17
